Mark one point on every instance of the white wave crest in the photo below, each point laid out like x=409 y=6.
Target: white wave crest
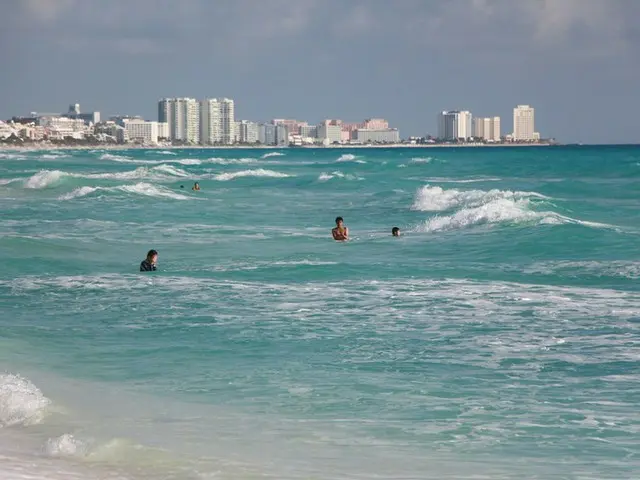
x=163 y=152
x=158 y=173
x=189 y=161
x=273 y=154
x=116 y=158
x=437 y=199
x=21 y=402
x=78 y=192
x=347 y=157
x=325 y=177
x=146 y=189
x=501 y=210
x=7 y=181
x=44 y=179
x=260 y=172
x=12 y=156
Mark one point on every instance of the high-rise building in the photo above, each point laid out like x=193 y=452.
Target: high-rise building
x=210 y=122
x=487 y=128
x=282 y=135
x=247 y=132
x=454 y=125
x=183 y=117
x=217 y=121
x=227 y=120
x=267 y=134
x=524 y=123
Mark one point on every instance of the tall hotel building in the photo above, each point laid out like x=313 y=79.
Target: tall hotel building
x=183 y=118
x=454 y=125
x=217 y=121
x=524 y=124
x=487 y=128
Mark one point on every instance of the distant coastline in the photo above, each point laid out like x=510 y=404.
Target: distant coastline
x=54 y=146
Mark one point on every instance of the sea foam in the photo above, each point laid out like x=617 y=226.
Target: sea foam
x=21 y=402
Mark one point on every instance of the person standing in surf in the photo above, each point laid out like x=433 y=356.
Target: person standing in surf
x=340 y=232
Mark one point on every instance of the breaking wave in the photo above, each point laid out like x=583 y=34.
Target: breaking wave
x=349 y=157
x=325 y=177
x=21 y=402
x=145 y=189
x=45 y=178
x=273 y=154
x=260 y=172
x=437 y=199
x=478 y=207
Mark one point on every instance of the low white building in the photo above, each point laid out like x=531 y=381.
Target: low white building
x=163 y=130
x=6 y=130
x=58 y=128
x=387 y=135
x=330 y=131
x=140 y=131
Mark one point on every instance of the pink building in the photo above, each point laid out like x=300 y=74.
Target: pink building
x=375 y=124
x=292 y=125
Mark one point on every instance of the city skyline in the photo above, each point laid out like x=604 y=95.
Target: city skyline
x=575 y=60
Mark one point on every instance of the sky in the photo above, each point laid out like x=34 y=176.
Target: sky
x=576 y=61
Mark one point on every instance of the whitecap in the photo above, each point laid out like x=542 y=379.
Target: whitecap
x=44 y=179
x=273 y=154
x=437 y=199
x=349 y=157
x=21 y=402
x=260 y=172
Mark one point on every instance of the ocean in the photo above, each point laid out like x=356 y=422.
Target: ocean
x=497 y=338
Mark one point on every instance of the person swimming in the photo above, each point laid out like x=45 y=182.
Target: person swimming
x=395 y=231
x=196 y=187
x=149 y=264
x=340 y=232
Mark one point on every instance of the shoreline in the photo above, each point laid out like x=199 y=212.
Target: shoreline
x=39 y=147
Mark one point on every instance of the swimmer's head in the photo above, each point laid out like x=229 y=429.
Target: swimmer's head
x=152 y=256
x=395 y=231
x=181 y=186
x=339 y=221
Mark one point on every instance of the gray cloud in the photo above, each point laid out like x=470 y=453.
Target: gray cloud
x=575 y=60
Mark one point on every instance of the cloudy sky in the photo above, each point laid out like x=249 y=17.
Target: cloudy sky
x=576 y=61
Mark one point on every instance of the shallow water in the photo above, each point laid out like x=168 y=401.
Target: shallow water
x=499 y=337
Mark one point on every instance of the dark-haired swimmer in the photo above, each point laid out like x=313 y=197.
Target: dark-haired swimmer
x=395 y=231
x=149 y=264
x=340 y=232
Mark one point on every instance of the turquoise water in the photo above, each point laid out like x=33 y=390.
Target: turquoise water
x=498 y=337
